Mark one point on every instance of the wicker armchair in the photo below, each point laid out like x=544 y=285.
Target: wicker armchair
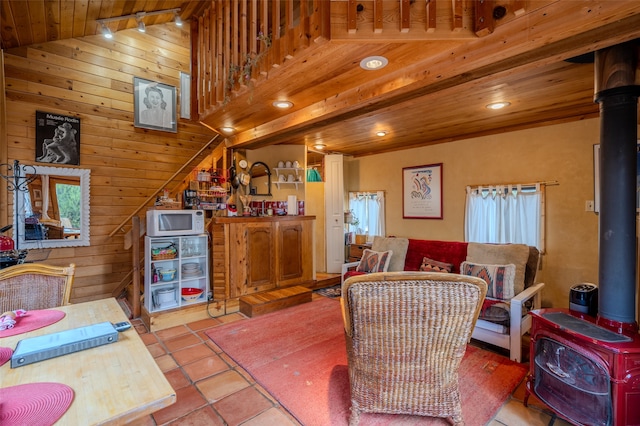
x=406 y=334
x=33 y=286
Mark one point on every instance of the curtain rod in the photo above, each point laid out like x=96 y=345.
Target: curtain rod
x=547 y=183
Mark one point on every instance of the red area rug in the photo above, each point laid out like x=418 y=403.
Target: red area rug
x=299 y=355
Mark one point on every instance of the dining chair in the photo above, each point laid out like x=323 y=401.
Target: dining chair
x=406 y=334
x=32 y=286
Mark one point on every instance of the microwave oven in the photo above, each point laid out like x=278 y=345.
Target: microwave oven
x=167 y=223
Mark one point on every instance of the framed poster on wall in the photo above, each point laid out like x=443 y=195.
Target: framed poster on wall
x=422 y=192
x=57 y=138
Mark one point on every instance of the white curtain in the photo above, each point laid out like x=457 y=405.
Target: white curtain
x=368 y=208
x=45 y=197
x=505 y=214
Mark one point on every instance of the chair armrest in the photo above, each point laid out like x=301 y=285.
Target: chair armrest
x=527 y=294
x=346 y=267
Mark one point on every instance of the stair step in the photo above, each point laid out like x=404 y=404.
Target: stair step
x=274 y=300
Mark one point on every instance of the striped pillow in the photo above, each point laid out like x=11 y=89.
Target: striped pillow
x=500 y=278
x=374 y=261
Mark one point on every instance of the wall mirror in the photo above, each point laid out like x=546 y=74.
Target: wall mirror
x=52 y=208
x=260 y=179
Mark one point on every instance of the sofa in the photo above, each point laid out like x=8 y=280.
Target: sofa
x=509 y=269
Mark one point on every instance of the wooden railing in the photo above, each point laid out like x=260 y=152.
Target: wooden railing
x=238 y=41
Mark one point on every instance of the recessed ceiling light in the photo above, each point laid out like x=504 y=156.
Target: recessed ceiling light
x=228 y=129
x=282 y=104
x=498 y=105
x=374 y=63
x=319 y=146
x=381 y=133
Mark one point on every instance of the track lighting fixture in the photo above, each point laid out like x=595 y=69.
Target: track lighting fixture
x=106 y=32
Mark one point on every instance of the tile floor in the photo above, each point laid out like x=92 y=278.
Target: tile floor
x=213 y=390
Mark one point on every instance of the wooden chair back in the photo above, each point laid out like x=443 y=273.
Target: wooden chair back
x=32 y=286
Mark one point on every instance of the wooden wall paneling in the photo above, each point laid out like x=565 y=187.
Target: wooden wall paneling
x=37 y=14
x=128 y=164
x=20 y=10
x=5 y=212
x=66 y=18
x=207 y=58
x=226 y=52
x=79 y=18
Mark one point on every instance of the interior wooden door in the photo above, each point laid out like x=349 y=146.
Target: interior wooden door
x=334 y=210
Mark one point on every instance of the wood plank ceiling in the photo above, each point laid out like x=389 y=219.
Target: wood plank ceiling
x=434 y=89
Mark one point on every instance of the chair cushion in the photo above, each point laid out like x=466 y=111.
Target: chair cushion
x=430 y=265
x=500 y=278
x=397 y=245
x=374 y=261
x=502 y=254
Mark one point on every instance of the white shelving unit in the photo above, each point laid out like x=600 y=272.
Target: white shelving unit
x=190 y=264
x=286 y=171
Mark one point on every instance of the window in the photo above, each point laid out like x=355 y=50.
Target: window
x=505 y=214
x=368 y=209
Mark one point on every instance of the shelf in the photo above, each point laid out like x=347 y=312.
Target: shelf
x=192 y=270
x=288 y=183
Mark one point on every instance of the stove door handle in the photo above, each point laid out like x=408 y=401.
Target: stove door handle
x=555 y=369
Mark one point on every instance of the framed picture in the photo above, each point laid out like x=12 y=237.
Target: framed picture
x=154 y=105
x=596 y=177
x=57 y=138
x=422 y=192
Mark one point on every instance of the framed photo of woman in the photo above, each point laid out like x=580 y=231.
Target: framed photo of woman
x=154 y=105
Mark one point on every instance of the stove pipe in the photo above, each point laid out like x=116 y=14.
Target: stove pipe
x=618 y=99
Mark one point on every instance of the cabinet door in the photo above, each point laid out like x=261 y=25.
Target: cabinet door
x=294 y=253
x=254 y=255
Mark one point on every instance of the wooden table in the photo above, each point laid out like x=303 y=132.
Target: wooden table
x=113 y=383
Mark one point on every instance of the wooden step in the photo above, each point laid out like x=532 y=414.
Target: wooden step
x=273 y=300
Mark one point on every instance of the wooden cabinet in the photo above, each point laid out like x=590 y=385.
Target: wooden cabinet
x=255 y=254
x=355 y=251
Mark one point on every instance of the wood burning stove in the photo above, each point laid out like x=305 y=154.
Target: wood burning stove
x=588 y=374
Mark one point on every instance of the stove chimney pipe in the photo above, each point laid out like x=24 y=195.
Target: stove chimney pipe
x=617 y=93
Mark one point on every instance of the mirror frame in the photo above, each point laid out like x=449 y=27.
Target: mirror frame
x=268 y=194
x=19 y=210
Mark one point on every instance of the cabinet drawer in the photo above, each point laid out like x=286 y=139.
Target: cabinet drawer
x=355 y=251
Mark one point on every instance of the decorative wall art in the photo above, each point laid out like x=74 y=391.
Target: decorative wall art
x=57 y=138
x=422 y=192
x=185 y=95
x=154 y=105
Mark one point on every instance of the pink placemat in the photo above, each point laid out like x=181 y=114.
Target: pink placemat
x=33 y=320
x=5 y=355
x=34 y=404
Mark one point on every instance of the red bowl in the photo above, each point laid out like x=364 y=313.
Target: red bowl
x=191 y=293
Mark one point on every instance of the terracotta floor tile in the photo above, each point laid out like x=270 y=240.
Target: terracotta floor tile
x=202 y=416
x=272 y=416
x=156 y=350
x=205 y=367
x=204 y=324
x=221 y=385
x=171 y=332
x=177 y=378
x=232 y=318
x=166 y=363
x=188 y=399
x=140 y=328
x=193 y=353
x=242 y=405
x=149 y=338
x=181 y=342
